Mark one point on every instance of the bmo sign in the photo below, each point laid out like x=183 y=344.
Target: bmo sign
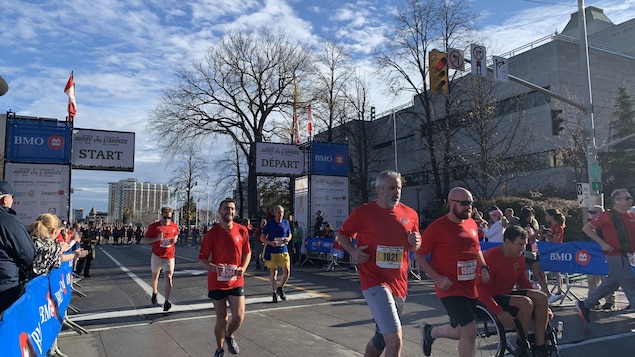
x=38 y=141
x=329 y=159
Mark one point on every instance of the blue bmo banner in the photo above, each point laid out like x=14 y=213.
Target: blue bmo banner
x=329 y=159
x=38 y=141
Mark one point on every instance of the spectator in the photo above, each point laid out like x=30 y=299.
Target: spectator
x=529 y=222
x=89 y=239
x=49 y=253
x=296 y=241
x=555 y=234
x=317 y=231
x=16 y=249
x=494 y=232
x=511 y=219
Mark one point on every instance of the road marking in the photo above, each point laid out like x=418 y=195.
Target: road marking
x=295 y=287
x=147 y=288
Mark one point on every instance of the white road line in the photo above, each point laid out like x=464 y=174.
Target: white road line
x=147 y=288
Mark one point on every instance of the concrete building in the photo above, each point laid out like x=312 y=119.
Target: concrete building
x=132 y=202
x=515 y=150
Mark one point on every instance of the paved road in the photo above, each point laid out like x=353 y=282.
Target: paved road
x=324 y=314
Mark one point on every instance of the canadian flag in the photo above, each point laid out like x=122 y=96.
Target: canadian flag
x=70 y=91
x=310 y=123
x=296 y=127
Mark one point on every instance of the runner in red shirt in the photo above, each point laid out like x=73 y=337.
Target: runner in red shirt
x=507 y=269
x=225 y=253
x=555 y=234
x=455 y=260
x=386 y=231
x=162 y=235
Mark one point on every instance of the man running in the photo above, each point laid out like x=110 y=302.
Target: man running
x=162 y=235
x=225 y=253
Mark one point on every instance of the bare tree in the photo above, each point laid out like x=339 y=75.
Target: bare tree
x=190 y=168
x=332 y=73
x=420 y=27
x=244 y=82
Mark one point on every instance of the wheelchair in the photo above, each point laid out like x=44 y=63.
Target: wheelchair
x=493 y=340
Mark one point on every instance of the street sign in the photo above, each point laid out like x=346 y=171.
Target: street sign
x=584 y=194
x=456 y=59
x=597 y=186
x=479 y=62
x=500 y=69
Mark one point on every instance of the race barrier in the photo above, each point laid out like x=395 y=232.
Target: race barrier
x=31 y=325
x=570 y=257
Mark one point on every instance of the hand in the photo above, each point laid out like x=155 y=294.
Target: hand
x=443 y=282
x=506 y=319
x=414 y=239
x=549 y=314
x=485 y=275
x=239 y=271
x=359 y=254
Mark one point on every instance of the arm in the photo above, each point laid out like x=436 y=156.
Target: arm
x=356 y=252
x=590 y=230
x=150 y=236
x=443 y=282
x=493 y=230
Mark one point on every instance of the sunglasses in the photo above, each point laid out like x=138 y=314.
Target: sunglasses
x=464 y=203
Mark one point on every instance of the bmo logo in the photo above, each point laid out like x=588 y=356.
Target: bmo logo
x=28 y=140
x=582 y=257
x=561 y=257
x=323 y=158
x=339 y=160
x=56 y=142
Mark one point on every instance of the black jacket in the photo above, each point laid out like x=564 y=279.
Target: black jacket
x=16 y=248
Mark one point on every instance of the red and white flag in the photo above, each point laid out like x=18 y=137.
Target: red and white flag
x=70 y=91
x=310 y=123
x=296 y=127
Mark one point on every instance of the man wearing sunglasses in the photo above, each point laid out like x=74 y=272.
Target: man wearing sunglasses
x=455 y=261
x=618 y=244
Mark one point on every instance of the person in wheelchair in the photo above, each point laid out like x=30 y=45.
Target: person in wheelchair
x=507 y=270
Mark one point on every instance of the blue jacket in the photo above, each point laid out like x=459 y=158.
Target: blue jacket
x=16 y=248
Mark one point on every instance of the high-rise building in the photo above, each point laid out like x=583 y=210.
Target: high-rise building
x=132 y=202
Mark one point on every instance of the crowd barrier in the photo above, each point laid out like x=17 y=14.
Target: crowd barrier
x=31 y=325
x=571 y=257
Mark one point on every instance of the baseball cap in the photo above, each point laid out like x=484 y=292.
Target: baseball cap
x=596 y=209
x=496 y=212
x=5 y=188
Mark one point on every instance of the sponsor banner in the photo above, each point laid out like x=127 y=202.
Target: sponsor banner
x=30 y=326
x=329 y=159
x=571 y=257
x=279 y=159
x=103 y=150
x=329 y=194
x=38 y=141
x=39 y=188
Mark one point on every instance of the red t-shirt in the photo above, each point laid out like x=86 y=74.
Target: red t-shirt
x=604 y=222
x=453 y=249
x=504 y=274
x=385 y=232
x=163 y=248
x=225 y=246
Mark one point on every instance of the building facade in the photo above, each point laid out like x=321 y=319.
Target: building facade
x=133 y=202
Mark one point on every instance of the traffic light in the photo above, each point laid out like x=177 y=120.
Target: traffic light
x=372 y=113
x=556 y=122
x=438 y=72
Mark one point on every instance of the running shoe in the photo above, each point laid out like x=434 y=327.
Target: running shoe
x=426 y=338
x=583 y=311
x=553 y=298
x=607 y=306
x=219 y=353
x=275 y=297
x=153 y=300
x=167 y=306
x=232 y=346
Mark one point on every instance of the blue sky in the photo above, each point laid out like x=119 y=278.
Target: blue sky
x=124 y=53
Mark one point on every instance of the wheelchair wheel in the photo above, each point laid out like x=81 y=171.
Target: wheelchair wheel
x=551 y=342
x=490 y=334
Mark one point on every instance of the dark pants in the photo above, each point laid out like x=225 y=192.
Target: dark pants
x=84 y=264
x=9 y=296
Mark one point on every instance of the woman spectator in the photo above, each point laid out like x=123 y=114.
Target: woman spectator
x=49 y=253
x=555 y=219
x=532 y=255
x=494 y=232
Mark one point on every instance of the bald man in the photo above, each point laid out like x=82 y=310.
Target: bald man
x=455 y=260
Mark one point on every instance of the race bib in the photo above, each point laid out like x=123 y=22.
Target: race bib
x=229 y=273
x=389 y=257
x=466 y=270
x=166 y=242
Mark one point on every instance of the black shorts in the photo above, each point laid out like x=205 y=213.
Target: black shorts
x=462 y=310
x=503 y=301
x=223 y=294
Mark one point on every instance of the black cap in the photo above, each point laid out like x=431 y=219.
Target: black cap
x=5 y=188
